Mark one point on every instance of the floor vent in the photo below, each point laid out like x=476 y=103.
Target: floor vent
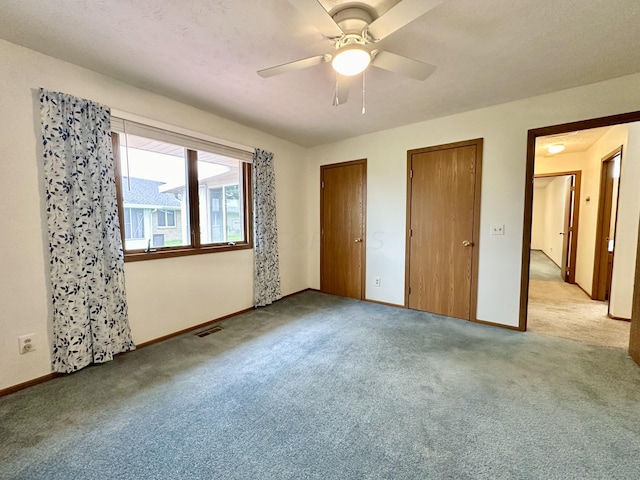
x=208 y=331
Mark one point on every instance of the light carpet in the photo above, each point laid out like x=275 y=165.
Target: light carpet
x=561 y=309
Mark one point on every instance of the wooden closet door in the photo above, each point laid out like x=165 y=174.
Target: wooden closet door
x=342 y=224
x=442 y=237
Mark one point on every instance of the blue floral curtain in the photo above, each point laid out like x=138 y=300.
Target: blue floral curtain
x=266 y=278
x=90 y=322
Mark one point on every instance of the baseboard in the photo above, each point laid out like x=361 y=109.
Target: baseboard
x=206 y=324
x=191 y=329
x=613 y=317
x=585 y=292
x=545 y=254
x=493 y=324
x=366 y=300
x=384 y=303
x=483 y=322
x=51 y=376
x=29 y=383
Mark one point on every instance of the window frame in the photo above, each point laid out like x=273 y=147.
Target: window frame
x=193 y=212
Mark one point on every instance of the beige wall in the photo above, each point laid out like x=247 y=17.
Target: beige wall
x=208 y=286
x=504 y=129
x=590 y=163
x=164 y=295
x=555 y=218
x=624 y=260
x=538 y=226
x=611 y=140
x=549 y=205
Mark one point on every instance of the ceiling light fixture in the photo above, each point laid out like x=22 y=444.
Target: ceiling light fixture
x=557 y=148
x=351 y=59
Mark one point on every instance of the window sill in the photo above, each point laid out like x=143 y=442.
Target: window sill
x=170 y=252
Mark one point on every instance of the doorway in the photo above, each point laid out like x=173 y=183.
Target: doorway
x=443 y=196
x=555 y=219
x=590 y=200
x=342 y=228
x=606 y=225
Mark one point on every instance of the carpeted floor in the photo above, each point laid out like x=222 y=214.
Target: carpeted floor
x=560 y=309
x=322 y=387
x=542 y=267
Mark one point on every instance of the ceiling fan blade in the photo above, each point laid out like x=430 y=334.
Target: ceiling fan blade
x=343 y=86
x=297 y=65
x=406 y=66
x=317 y=15
x=398 y=16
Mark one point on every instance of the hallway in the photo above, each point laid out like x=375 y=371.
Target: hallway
x=559 y=309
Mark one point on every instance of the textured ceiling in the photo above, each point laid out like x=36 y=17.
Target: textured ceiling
x=206 y=53
x=574 y=142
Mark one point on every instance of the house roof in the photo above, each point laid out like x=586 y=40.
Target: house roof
x=486 y=52
x=145 y=192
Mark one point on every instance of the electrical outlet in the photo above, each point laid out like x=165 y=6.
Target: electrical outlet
x=497 y=229
x=377 y=282
x=26 y=343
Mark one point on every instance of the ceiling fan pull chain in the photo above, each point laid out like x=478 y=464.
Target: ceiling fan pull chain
x=336 y=100
x=364 y=110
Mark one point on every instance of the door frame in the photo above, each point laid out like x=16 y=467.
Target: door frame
x=532 y=135
x=576 y=217
x=634 y=330
x=363 y=250
x=478 y=143
x=600 y=233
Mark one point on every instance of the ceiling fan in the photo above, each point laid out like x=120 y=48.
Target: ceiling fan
x=351 y=29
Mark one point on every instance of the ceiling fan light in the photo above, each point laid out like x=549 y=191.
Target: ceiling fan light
x=351 y=60
x=557 y=148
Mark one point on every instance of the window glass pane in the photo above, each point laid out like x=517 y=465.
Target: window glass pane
x=162 y=218
x=215 y=219
x=134 y=223
x=220 y=195
x=233 y=213
x=171 y=218
x=154 y=193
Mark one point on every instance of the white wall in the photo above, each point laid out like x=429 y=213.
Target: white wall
x=624 y=259
x=589 y=186
x=590 y=163
x=208 y=286
x=611 y=140
x=549 y=204
x=538 y=218
x=164 y=295
x=556 y=193
x=504 y=129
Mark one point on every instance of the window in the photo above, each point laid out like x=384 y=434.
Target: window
x=133 y=223
x=179 y=195
x=166 y=218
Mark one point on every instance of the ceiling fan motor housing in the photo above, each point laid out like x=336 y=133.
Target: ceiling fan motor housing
x=352 y=20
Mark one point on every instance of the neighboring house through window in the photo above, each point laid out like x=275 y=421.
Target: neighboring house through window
x=166 y=208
